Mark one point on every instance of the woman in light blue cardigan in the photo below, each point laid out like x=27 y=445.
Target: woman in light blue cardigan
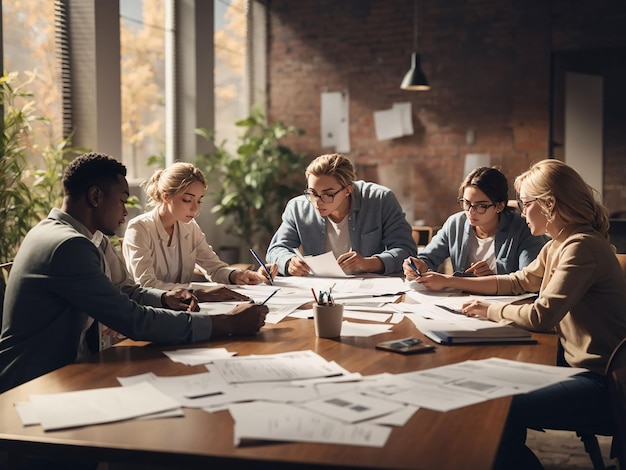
x=487 y=237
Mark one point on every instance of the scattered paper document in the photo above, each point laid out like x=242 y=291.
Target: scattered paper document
x=276 y=367
x=363 y=329
x=322 y=265
x=198 y=356
x=96 y=406
x=352 y=407
x=280 y=422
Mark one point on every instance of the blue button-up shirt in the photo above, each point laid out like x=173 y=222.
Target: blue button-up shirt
x=376 y=222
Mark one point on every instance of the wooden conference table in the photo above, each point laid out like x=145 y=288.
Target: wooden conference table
x=464 y=438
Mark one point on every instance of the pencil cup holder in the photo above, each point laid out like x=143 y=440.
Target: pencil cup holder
x=327 y=320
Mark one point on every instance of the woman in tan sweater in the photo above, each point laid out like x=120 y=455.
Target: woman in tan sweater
x=581 y=293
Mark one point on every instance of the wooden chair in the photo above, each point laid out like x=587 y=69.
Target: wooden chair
x=422 y=234
x=616 y=385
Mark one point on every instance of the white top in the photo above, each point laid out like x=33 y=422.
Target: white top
x=172 y=253
x=482 y=249
x=338 y=237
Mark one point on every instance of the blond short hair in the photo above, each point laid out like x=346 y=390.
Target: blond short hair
x=333 y=164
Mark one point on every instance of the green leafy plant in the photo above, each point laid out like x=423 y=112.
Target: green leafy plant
x=28 y=190
x=252 y=186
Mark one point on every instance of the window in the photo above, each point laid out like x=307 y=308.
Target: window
x=230 y=66
x=29 y=49
x=142 y=31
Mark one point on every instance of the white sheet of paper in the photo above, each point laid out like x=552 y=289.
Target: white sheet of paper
x=280 y=422
x=95 y=406
x=191 y=391
x=276 y=367
x=363 y=329
x=406 y=118
x=398 y=418
x=357 y=313
x=352 y=407
x=324 y=265
x=197 y=356
x=388 y=124
x=334 y=121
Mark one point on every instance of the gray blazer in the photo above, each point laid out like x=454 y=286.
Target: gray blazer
x=58 y=279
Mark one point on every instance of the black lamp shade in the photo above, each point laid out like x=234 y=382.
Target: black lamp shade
x=415 y=78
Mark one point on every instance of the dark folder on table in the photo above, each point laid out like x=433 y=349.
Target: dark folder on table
x=495 y=334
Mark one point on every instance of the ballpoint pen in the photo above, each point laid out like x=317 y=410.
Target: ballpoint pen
x=414 y=268
x=269 y=274
x=269 y=297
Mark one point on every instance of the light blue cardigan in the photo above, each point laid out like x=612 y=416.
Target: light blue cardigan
x=377 y=224
x=515 y=247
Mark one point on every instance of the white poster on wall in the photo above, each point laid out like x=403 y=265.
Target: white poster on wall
x=334 y=125
x=393 y=123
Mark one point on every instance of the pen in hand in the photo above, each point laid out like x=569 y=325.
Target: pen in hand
x=269 y=274
x=414 y=268
x=268 y=298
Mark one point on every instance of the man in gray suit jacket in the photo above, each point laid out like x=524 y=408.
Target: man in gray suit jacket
x=67 y=277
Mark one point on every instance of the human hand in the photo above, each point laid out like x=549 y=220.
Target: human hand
x=297 y=267
x=273 y=269
x=409 y=272
x=112 y=333
x=180 y=299
x=433 y=281
x=246 y=277
x=475 y=308
x=218 y=294
x=352 y=262
x=480 y=268
x=244 y=319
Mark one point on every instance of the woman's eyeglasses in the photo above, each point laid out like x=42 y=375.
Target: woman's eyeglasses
x=523 y=205
x=325 y=198
x=478 y=208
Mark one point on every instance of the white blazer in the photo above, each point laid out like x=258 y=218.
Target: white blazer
x=144 y=245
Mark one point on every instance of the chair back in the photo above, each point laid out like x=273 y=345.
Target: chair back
x=616 y=386
x=5 y=268
x=422 y=234
x=621 y=258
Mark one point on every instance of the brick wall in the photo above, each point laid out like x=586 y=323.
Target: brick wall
x=488 y=63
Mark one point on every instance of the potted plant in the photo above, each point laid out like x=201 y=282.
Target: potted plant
x=27 y=191
x=252 y=186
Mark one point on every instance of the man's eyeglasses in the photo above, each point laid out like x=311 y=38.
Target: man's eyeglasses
x=325 y=198
x=478 y=208
x=523 y=205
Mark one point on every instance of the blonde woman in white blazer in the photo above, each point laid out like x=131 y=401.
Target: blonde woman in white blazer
x=162 y=247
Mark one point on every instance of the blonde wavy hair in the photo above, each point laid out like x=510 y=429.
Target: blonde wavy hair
x=171 y=180
x=561 y=192
x=332 y=164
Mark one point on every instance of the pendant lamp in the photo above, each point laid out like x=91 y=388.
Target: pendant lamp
x=415 y=80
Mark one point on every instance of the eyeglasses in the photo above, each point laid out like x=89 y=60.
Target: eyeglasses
x=478 y=208
x=523 y=205
x=325 y=198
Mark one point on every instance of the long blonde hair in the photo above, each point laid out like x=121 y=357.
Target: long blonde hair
x=171 y=180
x=562 y=192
